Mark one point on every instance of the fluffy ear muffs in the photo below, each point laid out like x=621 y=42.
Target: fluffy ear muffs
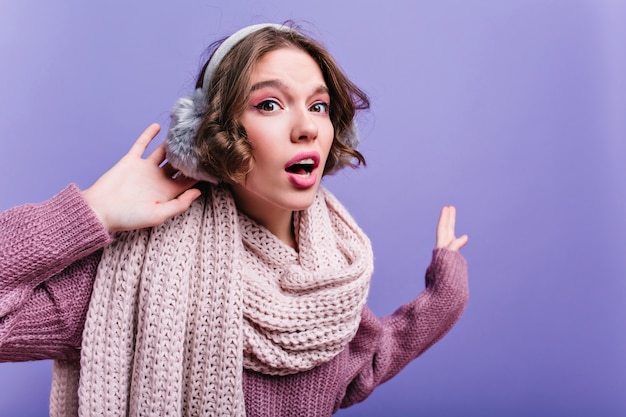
x=181 y=153
x=189 y=111
x=351 y=136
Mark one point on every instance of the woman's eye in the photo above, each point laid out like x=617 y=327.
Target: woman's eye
x=320 y=107
x=267 y=105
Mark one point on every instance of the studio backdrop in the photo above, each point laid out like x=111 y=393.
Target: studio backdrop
x=514 y=111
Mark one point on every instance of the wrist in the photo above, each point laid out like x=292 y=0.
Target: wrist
x=92 y=201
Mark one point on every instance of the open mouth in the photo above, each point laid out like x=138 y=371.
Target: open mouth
x=303 y=167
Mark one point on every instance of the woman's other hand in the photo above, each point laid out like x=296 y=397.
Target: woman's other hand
x=445 y=230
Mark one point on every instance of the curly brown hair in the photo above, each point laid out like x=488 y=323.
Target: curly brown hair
x=228 y=153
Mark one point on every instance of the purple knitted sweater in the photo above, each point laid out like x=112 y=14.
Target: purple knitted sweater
x=49 y=254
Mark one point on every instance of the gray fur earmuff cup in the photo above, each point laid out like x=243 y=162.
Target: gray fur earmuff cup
x=187 y=116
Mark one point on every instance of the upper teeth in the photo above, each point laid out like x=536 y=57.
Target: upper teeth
x=305 y=161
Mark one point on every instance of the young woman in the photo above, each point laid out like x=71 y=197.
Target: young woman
x=243 y=296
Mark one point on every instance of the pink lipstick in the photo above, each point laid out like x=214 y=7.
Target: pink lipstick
x=302 y=169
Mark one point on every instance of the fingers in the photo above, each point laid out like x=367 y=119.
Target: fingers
x=182 y=184
x=445 y=230
x=458 y=243
x=445 y=226
x=186 y=198
x=177 y=205
x=158 y=155
x=142 y=142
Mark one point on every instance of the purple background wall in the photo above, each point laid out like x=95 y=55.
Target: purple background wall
x=513 y=110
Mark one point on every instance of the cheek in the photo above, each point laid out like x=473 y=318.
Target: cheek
x=263 y=156
x=329 y=135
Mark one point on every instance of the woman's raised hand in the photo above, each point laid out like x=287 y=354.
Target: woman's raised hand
x=445 y=230
x=137 y=192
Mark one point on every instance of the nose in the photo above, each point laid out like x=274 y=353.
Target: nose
x=304 y=126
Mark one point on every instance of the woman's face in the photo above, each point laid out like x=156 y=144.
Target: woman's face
x=287 y=122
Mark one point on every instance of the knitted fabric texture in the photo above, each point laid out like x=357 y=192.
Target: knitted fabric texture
x=179 y=310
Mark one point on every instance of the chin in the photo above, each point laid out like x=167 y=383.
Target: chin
x=303 y=199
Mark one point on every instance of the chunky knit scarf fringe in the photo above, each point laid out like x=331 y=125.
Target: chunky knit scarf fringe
x=179 y=310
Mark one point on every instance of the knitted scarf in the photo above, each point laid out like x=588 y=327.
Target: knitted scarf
x=179 y=310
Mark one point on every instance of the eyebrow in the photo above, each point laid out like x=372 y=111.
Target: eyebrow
x=281 y=85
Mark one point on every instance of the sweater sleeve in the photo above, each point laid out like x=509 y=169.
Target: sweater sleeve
x=49 y=253
x=382 y=347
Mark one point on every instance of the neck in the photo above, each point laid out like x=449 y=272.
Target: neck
x=278 y=221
